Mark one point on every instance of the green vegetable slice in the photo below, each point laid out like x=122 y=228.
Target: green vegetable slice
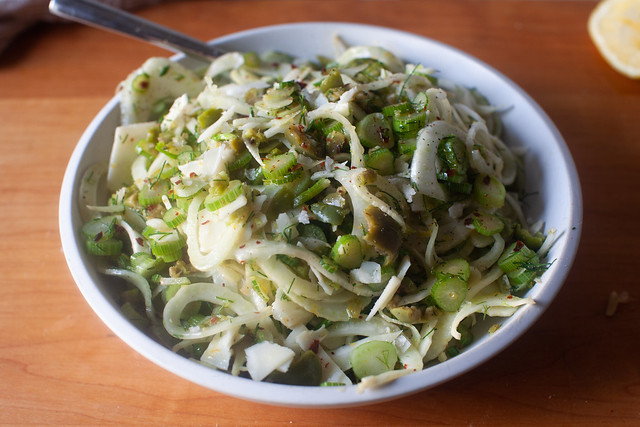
x=213 y=202
x=448 y=293
x=373 y=358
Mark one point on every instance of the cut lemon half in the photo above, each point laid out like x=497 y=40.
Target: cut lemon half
x=614 y=27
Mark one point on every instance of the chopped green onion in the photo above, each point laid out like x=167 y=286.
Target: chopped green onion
x=103 y=228
x=408 y=124
x=241 y=161
x=407 y=146
x=151 y=193
x=106 y=247
x=486 y=224
x=318 y=187
x=488 y=191
x=290 y=177
x=279 y=165
x=214 y=202
x=174 y=217
x=448 y=293
x=381 y=160
x=374 y=131
x=458 y=267
x=390 y=111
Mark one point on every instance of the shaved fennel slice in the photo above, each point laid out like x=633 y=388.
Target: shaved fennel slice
x=497 y=305
x=219 y=351
x=89 y=190
x=266 y=357
x=289 y=313
x=340 y=306
x=265 y=249
x=361 y=198
x=361 y=327
x=488 y=160
x=408 y=354
x=214 y=294
x=123 y=153
x=382 y=379
x=331 y=372
x=390 y=61
x=139 y=282
x=391 y=288
x=223 y=63
x=357 y=150
x=166 y=80
x=135 y=238
x=424 y=164
x=222 y=236
x=491 y=257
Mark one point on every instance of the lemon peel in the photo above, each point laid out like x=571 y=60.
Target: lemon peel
x=614 y=27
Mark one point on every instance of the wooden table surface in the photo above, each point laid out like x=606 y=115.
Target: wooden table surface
x=59 y=364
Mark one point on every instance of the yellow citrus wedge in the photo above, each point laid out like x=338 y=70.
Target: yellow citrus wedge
x=614 y=27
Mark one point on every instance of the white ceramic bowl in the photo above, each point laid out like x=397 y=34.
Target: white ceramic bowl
x=549 y=167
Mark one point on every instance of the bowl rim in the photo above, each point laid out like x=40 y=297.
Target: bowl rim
x=316 y=397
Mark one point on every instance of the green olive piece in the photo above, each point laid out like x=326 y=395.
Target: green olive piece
x=303 y=143
x=304 y=370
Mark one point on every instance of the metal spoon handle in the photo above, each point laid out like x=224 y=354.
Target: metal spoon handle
x=106 y=17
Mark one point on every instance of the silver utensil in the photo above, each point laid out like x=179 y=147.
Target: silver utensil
x=109 y=18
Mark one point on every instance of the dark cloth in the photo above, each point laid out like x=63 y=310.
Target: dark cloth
x=18 y=15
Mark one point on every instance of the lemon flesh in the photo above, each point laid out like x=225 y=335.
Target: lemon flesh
x=614 y=27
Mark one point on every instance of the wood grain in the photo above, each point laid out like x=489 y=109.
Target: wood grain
x=60 y=365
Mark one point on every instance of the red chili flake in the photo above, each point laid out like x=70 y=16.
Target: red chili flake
x=519 y=245
x=258 y=242
x=509 y=296
x=486 y=180
x=178 y=182
x=213 y=320
x=206 y=222
x=476 y=213
x=98 y=237
x=326 y=365
x=192 y=175
x=468 y=221
x=405 y=366
x=140 y=241
x=242 y=246
x=224 y=284
x=314 y=346
x=119 y=228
